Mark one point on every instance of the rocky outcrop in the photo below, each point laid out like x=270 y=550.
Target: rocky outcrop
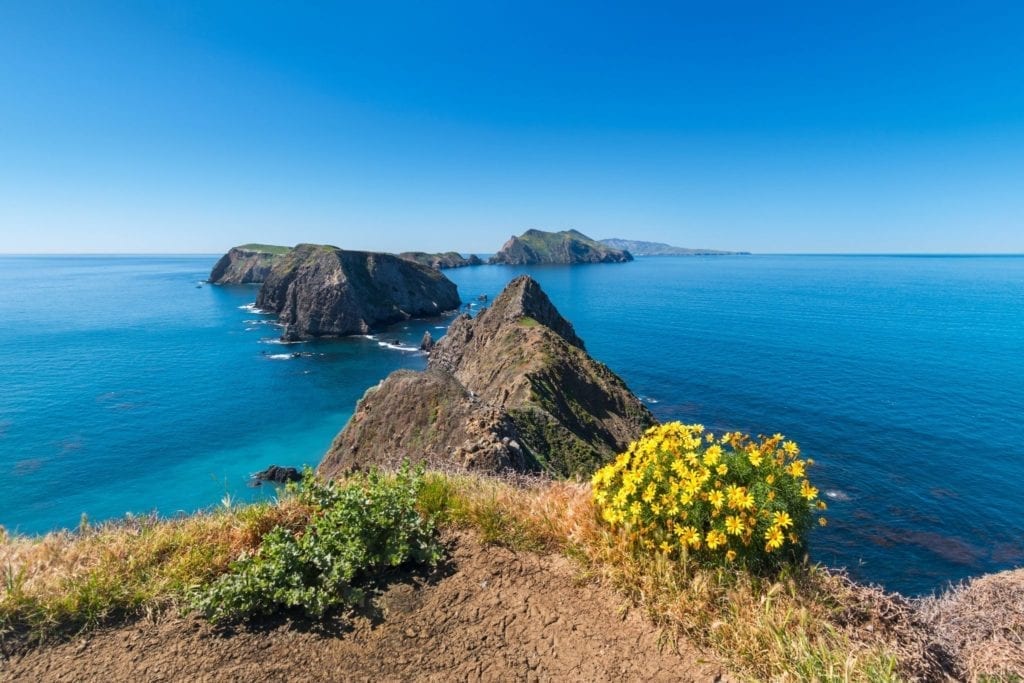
x=448 y=259
x=324 y=291
x=513 y=388
x=567 y=247
x=641 y=248
x=246 y=264
x=427 y=342
x=277 y=475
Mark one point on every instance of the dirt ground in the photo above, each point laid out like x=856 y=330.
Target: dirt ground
x=491 y=614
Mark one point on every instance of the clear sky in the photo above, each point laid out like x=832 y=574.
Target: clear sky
x=763 y=126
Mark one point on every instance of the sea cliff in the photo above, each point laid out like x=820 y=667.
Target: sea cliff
x=246 y=264
x=323 y=291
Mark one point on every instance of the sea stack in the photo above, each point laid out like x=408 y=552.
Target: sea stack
x=568 y=247
x=246 y=264
x=512 y=389
x=323 y=291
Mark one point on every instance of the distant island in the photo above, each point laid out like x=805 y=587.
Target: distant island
x=641 y=248
x=567 y=247
x=442 y=260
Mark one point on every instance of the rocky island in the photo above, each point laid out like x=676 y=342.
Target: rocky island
x=512 y=389
x=538 y=247
x=443 y=260
x=246 y=264
x=323 y=291
x=641 y=248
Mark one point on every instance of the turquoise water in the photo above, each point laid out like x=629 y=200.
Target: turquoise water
x=128 y=389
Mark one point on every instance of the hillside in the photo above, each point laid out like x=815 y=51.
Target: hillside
x=568 y=247
x=640 y=248
x=511 y=389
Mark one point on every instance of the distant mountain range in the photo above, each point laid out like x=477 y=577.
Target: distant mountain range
x=640 y=248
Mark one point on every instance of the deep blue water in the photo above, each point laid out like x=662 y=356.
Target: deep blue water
x=125 y=388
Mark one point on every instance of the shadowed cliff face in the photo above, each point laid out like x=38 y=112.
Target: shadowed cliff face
x=247 y=264
x=323 y=291
x=512 y=388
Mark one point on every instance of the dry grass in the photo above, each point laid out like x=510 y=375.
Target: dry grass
x=64 y=582
x=982 y=622
x=807 y=624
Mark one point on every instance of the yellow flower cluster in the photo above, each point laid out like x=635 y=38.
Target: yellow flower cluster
x=688 y=494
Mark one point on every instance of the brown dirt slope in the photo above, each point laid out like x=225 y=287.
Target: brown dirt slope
x=495 y=615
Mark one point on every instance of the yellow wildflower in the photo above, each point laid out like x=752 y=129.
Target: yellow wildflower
x=715 y=538
x=734 y=525
x=782 y=520
x=773 y=538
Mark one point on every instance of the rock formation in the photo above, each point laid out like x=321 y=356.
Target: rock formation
x=448 y=259
x=324 y=291
x=427 y=342
x=277 y=475
x=565 y=247
x=246 y=264
x=513 y=388
x=641 y=248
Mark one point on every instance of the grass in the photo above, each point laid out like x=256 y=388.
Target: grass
x=266 y=249
x=805 y=623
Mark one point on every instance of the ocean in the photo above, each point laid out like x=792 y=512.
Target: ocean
x=128 y=388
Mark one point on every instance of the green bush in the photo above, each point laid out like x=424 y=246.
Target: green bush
x=357 y=528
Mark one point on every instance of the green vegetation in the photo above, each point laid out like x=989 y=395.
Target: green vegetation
x=527 y=321
x=356 y=529
x=266 y=249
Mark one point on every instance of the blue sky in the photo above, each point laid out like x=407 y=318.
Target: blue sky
x=771 y=127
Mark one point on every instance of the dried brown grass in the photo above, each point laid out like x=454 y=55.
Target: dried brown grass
x=805 y=624
x=66 y=581
x=982 y=622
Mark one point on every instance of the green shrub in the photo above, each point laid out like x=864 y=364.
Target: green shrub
x=730 y=500
x=357 y=528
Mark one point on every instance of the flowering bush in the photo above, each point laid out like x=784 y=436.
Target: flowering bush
x=728 y=500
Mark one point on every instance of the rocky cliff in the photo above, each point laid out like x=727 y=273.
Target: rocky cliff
x=324 y=291
x=448 y=259
x=513 y=388
x=246 y=264
x=565 y=247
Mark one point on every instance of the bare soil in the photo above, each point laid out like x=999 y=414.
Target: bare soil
x=490 y=614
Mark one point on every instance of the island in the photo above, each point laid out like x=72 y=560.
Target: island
x=641 y=248
x=246 y=264
x=536 y=247
x=322 y=291
x=442 y=260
